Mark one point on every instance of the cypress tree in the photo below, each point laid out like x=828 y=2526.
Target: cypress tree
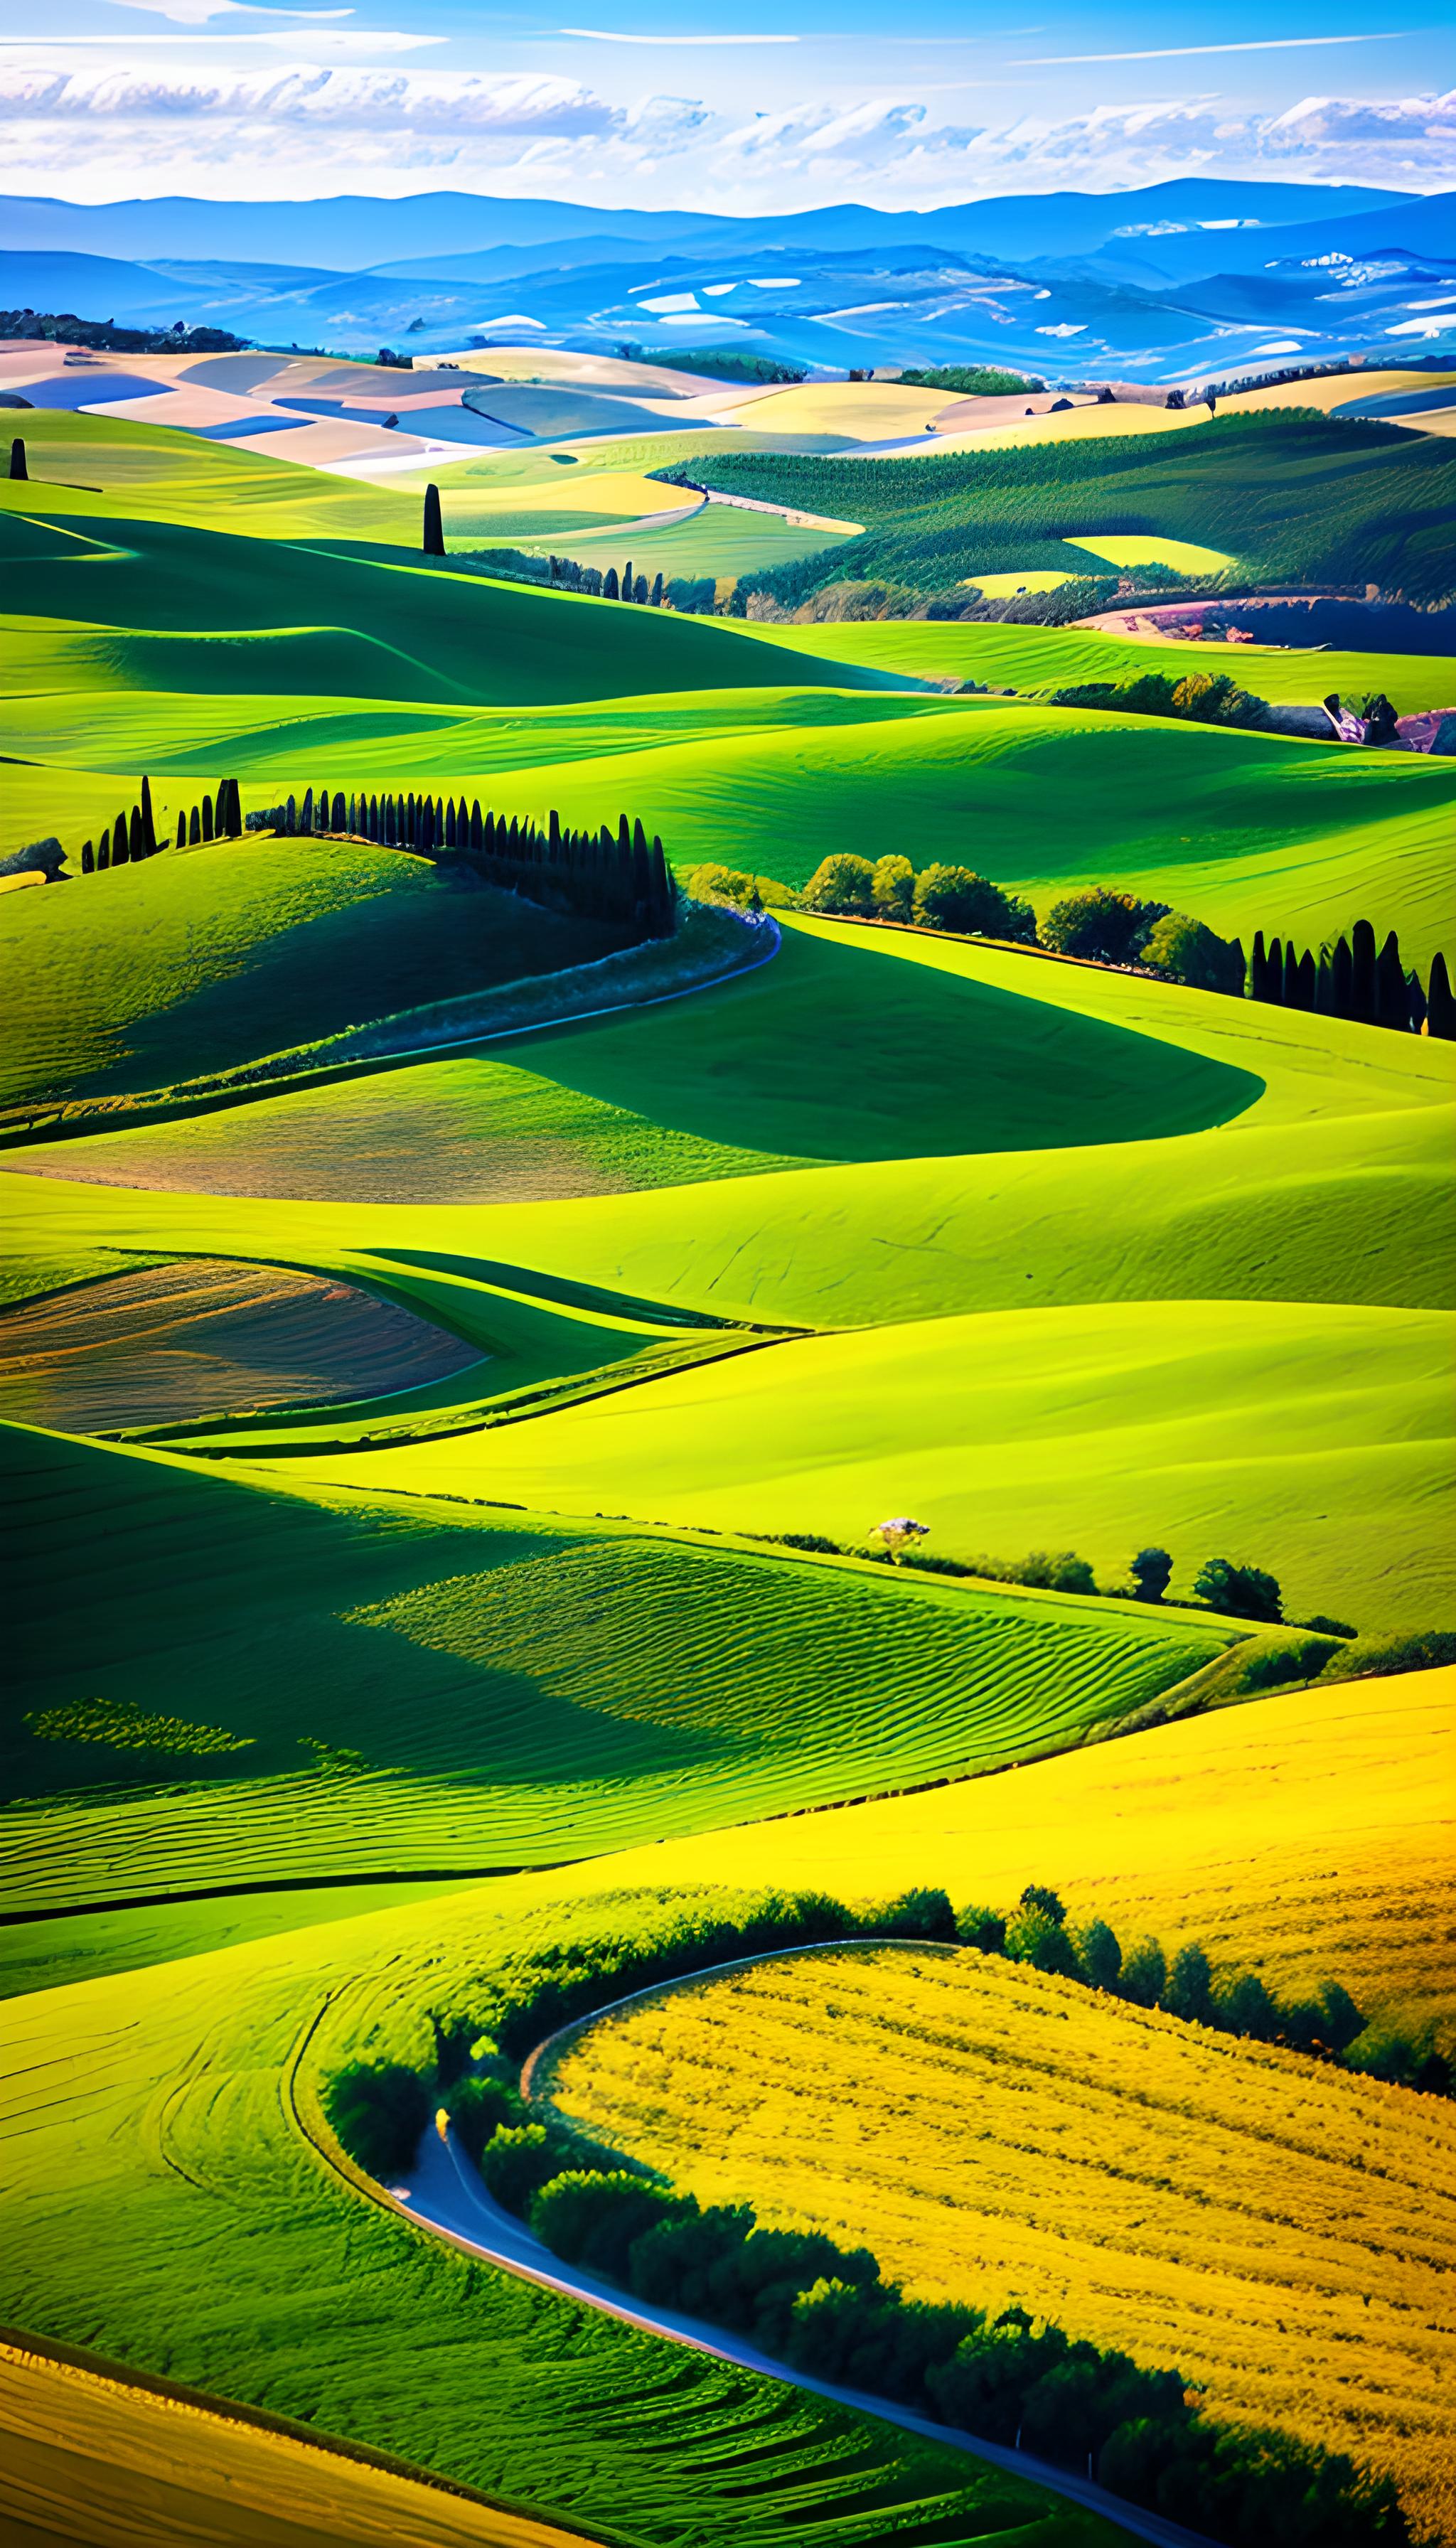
x=103 y=849
x=1440 y=1014
x=663 y=898
x=136 y=835
x=1392 y=999
x=553 y=838
x=1274 y=971
x=512 y=839
x=609 y=585
x=1258 y=967
x=1416 y=998
x=427 y=828
x=121 y=850
x=88 y=858
x=1362 y=984
x=207 y=818
x=657 y=590
x=627 y=587
x=305 y=811
x=451 y=835
x=1324 y=988
x=639 y=591
x=435 y=528
x=18 y=467
x=1291 y=977
x=352 y=818
x=1307 y=983
x=194 y=829
x=181 y=831
x=1342 y=976
x=149 y=827
x=477 y=832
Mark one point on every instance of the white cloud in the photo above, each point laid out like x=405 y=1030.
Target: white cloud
x=198 y=13
x=604 y=36
x=352 y=100
x=1181 y=53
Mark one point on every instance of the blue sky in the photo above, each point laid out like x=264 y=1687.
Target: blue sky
x=719 y=104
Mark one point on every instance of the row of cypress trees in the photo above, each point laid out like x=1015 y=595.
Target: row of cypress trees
x=1350 y=980
x=608 y=874
x=133 y=836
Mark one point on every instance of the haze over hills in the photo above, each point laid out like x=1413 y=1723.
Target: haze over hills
x=1168 y=281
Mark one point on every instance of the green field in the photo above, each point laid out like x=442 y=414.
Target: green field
x=1048 y=1256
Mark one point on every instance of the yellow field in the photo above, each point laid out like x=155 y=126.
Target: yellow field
x=1282 y=2231
x=868 y=411
x=97 y=2463
x=1306 y=1836
x=1185 y=556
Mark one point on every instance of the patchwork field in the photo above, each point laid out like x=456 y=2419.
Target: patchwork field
x=433 y=1626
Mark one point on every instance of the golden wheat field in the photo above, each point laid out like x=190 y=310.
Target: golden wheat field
x=1306 y=1835
x=1283 y=2232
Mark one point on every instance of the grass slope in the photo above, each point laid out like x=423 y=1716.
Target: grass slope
x=520 y=1689
x=206 y=957
x=169 y=2211
x=1282 y=2232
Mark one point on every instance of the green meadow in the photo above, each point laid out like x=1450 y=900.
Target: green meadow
x=1047 y=1256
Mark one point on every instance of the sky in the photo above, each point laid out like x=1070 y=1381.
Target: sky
x=720 y=105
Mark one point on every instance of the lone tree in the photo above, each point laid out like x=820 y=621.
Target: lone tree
x=898 y=1534
x=435 y=528
x=1440 y=1015
x=18 y=467
x=1239 y=1592
x=1151 y=1571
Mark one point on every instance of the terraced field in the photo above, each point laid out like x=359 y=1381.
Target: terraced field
x=1283 y=2234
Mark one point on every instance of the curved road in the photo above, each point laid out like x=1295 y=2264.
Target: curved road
x=445 y=2194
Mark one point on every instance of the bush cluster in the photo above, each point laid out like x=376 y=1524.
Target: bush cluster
x=1203 y=698
x=937 y=897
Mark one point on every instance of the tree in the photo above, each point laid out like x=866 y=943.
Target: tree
x=897 y=1535
x=1151 y=1571
x=1101 y=1956
x=627 y=586
x=1064 y=1572
x=1342 y=979
x=17 y=468
x=655 y=594
x=1191 y=952
x=985 y=1930
x=1145 y=1974
x=1417 y=999
x=1362 y=975
x=148 y=826
x=1190 y=1986
x=379 y=2110
x=1258 y=988
x=1239 y=1592
x=103 y=849
x=1274 y=972
x=892 y=889
x=1392 y=999
x=611 y=589
x=1105 y=928
x=1440 y=1015
x=956 y=898
x=1245 y=2008
x=1292 y=998
x=435 y=528
x=1032 y=1937
x=88 y=858
x=1039 y=1897
x=841 y=883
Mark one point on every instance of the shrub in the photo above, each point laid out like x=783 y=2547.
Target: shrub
x=1418 y=1650
x=1192 y=954
x=1330 y=1627
x=481 y=2107
x=1189 y=1992
x=1108 y=927
x=720 y=884
x=956 y=898
x=518 y=2159
x=985 y=1930
x=892 y=889
x=1215 y=698
x=1287 y=1658
x=1239 y=1592
x=1039 y=1897
x=1032 y=1938
x=594 y=2220
x=379 y=2110
x=842 y=883
x=973 y=380
x=1064 y=1573
x=1246 y=2007
x=925 y=1912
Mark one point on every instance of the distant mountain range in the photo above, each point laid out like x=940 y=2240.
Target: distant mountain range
x=1198 y=277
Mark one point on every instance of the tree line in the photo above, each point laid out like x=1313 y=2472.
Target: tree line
x=1350 y=980
x=132 y=837
x=1008 y=2377
x=607 y=874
